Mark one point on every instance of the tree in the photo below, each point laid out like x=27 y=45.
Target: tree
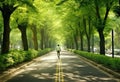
x=6 y=10
x=33 y=22
x=23 y=27
x=7 y=7
x=81 y=34
x=101 y=22
x=101 y=11
x=35 y=40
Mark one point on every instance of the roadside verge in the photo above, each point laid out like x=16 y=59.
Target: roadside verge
x=99 y=66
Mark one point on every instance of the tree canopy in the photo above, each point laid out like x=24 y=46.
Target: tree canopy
x=44 y=23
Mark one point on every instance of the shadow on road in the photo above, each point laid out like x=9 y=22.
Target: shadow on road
x=74 y=69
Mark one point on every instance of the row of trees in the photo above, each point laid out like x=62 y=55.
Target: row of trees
x=85 y=18
x=43 y=23
x=33 y=21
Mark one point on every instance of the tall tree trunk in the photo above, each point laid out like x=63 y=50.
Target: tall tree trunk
x=6 y=33
x=92 y=43
x=0 y=40
x=102 y=42
x=24 y=40
x=33 y=28
x=112 y=43
x=81 y=41
x=42 y=38
x=88 y=38
x=81 y=37
x=46 y=41
x=76 y=42
x=24 y=37
x=102 y=23
x=6 y=10
x=87 y=33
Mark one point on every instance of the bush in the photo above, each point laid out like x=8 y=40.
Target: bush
x=29 y=55
x=15 y=57
x=111 y=63
x=18 y=56
x=42 y=52
x=6 y=61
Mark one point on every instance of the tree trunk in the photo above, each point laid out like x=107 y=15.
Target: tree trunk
x=6 y=10
x=112 y=43
x=46 y=41
x=33 y=28
x=87 y=33
x=81 y=41
x=102 y=42
x=81 y=36
x=92 y=43
x=0 y=39
x=42 y=38
x=76 y=42
x=24 y=37
x=6 y=33
x=88 y=38
x=24 y=40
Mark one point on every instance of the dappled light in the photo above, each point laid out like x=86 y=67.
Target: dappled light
x=30 y=29
x=43 y=76
x=67 y=69
x=51 y=57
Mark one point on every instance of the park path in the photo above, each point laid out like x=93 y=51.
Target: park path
x=69 y=68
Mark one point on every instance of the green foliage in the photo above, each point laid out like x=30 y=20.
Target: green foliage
x=42 y=52
x=61 y=2
x=111 y=63
x=31 y=54
x=15 y=57
x=6 y=60
x=116 y=10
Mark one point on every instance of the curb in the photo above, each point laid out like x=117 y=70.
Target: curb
x=4 y=76
x=109 y=71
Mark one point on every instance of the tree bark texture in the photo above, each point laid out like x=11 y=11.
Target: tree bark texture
x=6 y=33
x=6 y=10
x=24 y=37
x=102 y=42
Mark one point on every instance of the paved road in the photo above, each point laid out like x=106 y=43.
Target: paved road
x=70 y=68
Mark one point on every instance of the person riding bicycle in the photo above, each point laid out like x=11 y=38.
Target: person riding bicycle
x=58 y=49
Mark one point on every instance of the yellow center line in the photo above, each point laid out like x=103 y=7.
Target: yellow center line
x=62 y=72
x=59 y=72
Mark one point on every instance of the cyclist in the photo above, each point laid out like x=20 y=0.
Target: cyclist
x=58 y=49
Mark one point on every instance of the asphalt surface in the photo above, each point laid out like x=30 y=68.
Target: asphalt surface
x=69 y=68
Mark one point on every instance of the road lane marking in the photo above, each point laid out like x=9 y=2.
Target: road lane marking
x=62 y=71
x=59 y=72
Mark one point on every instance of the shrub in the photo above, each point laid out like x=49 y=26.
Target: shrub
x=29 y=55
x=15 y=57
x=6 y=60
x=18 y=56
x=112 y=63
x=42 y=52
